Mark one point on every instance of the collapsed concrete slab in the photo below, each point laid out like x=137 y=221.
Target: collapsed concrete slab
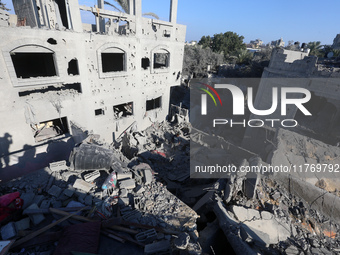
x=264 y=229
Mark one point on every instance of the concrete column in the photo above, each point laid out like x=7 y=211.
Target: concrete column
x=131 y=7
x=173 y=11
x=97 y=22
x=101 y=20
x=138 y=13
x=75 y=17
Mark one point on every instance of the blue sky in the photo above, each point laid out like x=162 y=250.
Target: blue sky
x=302 y=21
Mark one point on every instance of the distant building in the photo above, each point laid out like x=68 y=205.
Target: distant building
x=256 y=44
x=192 y=43
x=278 y=43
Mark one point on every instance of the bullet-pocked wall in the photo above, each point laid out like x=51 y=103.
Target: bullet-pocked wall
x=57 y=76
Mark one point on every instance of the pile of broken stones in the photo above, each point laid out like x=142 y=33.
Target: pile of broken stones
x=139 y=215
x=136 y=210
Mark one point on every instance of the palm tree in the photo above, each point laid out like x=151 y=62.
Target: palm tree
x=315 y=48
x=3 y=6
x=243 y=56
x=124 y=4
x=336 y=53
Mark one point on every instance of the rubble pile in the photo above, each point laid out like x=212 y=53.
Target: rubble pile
x=124 y=196
x=136 y=196
x=273 y=221
x=295 y=149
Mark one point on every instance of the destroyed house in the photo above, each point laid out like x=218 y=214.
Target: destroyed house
x=62 y=78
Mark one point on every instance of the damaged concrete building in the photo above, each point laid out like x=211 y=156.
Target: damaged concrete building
x=66 y=82
x=61 y=78
x=297 y=69
x=298 y=198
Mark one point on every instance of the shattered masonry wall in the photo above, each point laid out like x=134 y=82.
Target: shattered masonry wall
x=296 y=149
x=98 y=90
x=303 y=72
x=292 y=148
x=291 y=69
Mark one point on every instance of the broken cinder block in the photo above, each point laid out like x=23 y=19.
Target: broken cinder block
x=124 y=175
x=8 y=231
x=92 y=176
x=35 y=218
x=127 y=184
x=124 y=201
x=22 y=224
x=123 y=193
x=139 y=189
x=69 y=192
x=147 y=236
x=45 y=204
x=57 y=166
x=147 y=176
x=82 y=185
x=27 y=198
x=55 y=191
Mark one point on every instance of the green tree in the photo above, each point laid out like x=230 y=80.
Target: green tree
x=205 y=42
x=224 y=43
x=243 y=56
x=227 y=43
x=336 y=53
x=196 y=60
x=315 y=48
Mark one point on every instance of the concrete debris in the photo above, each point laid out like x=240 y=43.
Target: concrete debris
x=54 y=101
x=162 y=247
x=22 y=224
x=244 y=214
x=27 y=198
x=147 y=236
x=69 y=191
x=124 y=175
x=35 y=218
x=57 y=166
x=123 y=192
x=82 y=185
x=127 y=184
x=251 y=180
x=54 y=191
x=8 y=231
x=160 y=208
x=91 y=176
x=265 y=230
x=182 y=241
x=147 y=176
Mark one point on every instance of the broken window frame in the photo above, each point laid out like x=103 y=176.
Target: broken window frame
x=154 y=103
x=124 y=115
x=61 y=130
x=30 y=47
x=161 y=50
x=112 y=48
